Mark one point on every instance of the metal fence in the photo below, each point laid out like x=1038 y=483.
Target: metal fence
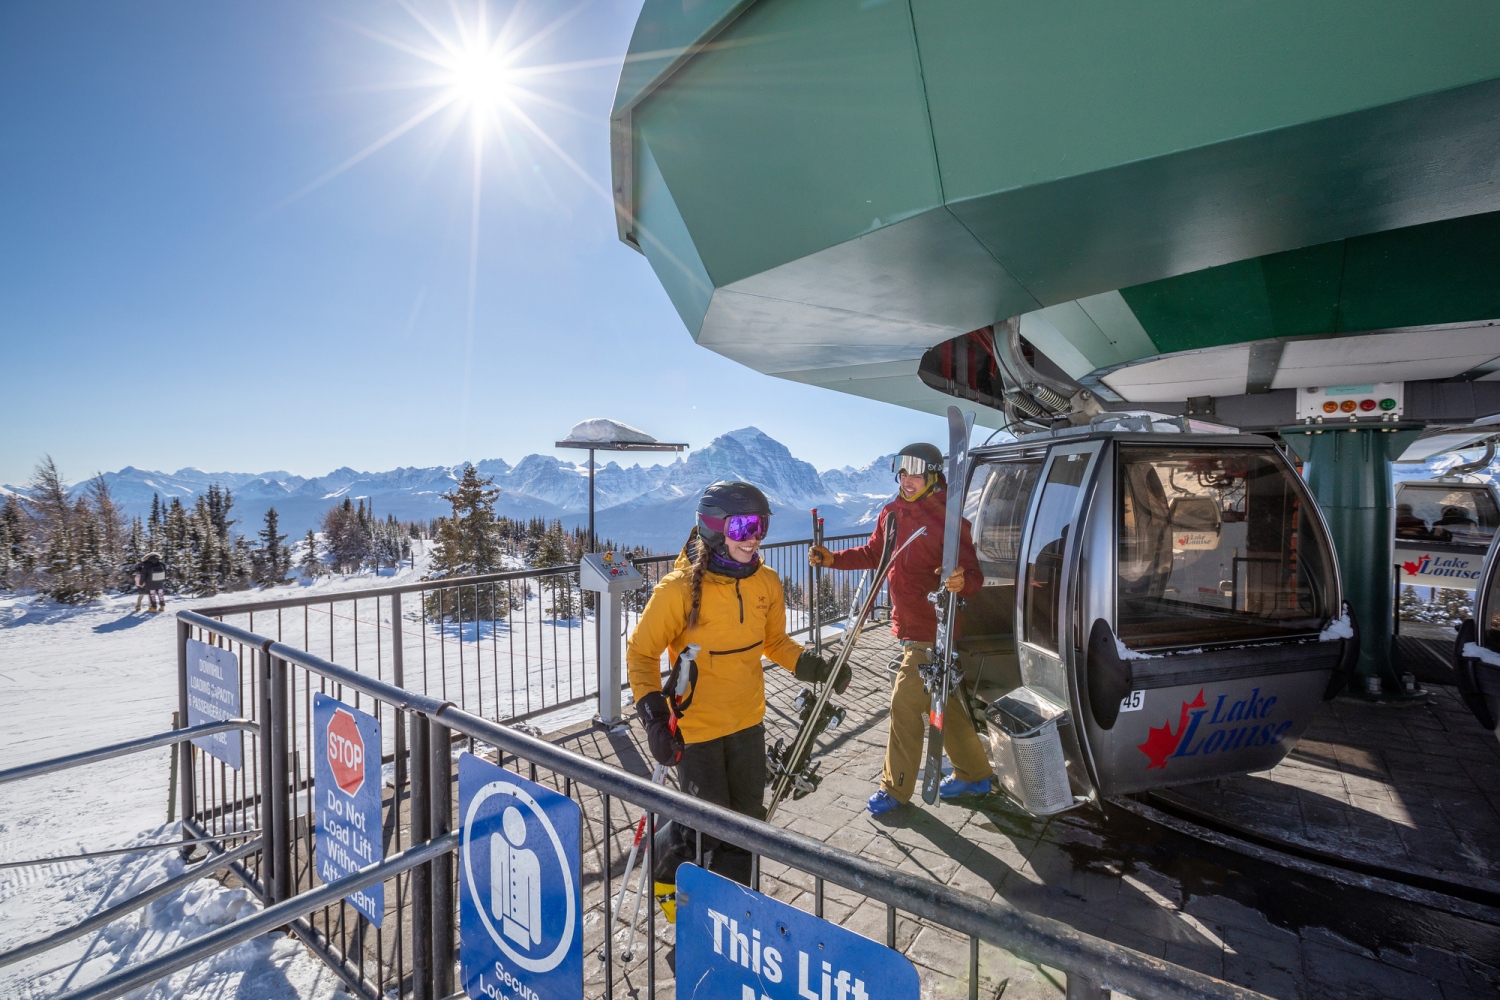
x=509 y=646
x=413 y=952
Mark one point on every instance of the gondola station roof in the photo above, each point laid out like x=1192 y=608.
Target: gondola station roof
x=1233 y=201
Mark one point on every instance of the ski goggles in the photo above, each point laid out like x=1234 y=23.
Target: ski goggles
x=910 y=465
x=739 y=527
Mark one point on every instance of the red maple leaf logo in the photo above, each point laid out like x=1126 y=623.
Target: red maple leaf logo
x=1161 y=742
x=1413 y=568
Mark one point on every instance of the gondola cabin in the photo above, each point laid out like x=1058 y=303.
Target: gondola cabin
x=1166 y=604
x=1443 y=530
x=1477 y=653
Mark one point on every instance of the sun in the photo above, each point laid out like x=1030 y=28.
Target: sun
x=479 y=79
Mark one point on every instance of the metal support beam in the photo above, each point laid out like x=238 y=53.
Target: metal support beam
x=1348 y=471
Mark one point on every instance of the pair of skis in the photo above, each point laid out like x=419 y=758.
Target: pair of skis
x=941 y=677
x=791 y=770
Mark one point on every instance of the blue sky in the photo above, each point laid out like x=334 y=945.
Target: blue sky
x=178 y=289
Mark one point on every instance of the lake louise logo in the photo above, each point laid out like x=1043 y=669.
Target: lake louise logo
x=1231 y=728
x=1413 y=568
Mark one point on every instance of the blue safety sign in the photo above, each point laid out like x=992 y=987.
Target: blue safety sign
x=346 y=798
x=735 y=944
x=213 y=695
x=519 y=915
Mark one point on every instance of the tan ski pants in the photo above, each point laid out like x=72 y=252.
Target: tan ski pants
x=909 y=705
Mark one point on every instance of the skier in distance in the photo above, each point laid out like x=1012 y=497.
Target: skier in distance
x=920 y=501
x=151 y=580
x=722 y=598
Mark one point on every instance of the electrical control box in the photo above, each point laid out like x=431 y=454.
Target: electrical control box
x=608 y=573
x=1345 y=403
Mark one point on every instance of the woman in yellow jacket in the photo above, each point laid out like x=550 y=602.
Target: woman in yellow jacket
x=723 y=599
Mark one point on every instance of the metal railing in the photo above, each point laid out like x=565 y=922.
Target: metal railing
x=412 y=953
x=512 y=646
x=220 y=857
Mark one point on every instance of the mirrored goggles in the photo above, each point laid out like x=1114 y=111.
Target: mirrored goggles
x=911 y=465
x=739 y=527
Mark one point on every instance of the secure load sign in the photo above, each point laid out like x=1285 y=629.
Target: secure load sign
x=519 y=920
x=213 y=695
x=346 y=798
x=736 y=944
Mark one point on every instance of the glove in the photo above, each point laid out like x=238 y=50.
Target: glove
x=955 y=582
x=661 y=731
x=813 y=669
x=817 y=555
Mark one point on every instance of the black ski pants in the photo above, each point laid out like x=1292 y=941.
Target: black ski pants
x=729 y=771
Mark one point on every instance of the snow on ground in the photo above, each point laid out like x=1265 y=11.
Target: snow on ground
x=73 y=678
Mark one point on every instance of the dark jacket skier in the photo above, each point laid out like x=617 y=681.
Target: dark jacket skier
x=723 y=599
x=151 y=580
x=920 y=502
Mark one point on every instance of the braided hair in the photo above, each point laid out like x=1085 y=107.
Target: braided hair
x=697 y=549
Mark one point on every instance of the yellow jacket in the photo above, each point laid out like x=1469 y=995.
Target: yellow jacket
x=738 y=622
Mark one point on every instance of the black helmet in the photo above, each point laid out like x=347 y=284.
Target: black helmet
x=918 y=459
x=725 y=499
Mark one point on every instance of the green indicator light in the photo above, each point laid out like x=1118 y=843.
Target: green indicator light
x=1387 y=404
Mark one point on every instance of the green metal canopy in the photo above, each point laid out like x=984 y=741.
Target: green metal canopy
x=1177 y=198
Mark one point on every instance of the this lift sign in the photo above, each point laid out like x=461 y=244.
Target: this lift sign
x=737 y=944
x=346 y=796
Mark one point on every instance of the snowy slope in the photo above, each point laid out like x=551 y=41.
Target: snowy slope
x=72 y=678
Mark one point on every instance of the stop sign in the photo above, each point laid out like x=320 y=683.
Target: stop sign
x=346 y=752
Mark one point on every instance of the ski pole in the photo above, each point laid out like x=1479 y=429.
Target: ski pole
x=635 y=846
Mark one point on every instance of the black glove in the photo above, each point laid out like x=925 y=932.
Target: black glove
x=813 y=669
x=661 y=731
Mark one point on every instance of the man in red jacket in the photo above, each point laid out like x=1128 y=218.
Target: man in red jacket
x=921 y=502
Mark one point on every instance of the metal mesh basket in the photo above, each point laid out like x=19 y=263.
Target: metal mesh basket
x=1028 y=753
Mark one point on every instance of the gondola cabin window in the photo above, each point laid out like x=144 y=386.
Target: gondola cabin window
x=1488 y=616
x=1044 y=552
x=996 y=507
x=1437 y=513
x=1214 y=547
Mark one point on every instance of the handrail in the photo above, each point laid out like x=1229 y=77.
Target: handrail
x=113 y=913
x=268 y=919
x=457 y=581
x=1036 y=938
x=128 y=747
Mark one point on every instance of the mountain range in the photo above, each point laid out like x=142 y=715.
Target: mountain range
x=639 y=505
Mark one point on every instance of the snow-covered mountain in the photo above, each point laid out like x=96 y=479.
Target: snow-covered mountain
x=649 y=505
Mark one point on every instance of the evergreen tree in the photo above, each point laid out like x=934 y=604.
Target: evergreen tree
x=174 y=547
x=1411 y=606
x=59 y=524
x=16 y=561
x=311 y=565
x=467 y=546
x=110 y=558
x=273 y=559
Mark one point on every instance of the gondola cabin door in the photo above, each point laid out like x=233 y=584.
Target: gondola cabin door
x=1048 y=569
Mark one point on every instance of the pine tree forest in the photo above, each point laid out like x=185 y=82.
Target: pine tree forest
x=73 y=544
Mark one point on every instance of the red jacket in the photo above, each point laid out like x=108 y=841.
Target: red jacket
x=915 y=572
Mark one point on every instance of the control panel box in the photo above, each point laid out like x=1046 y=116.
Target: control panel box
x=1341 y=403
x=608 y=573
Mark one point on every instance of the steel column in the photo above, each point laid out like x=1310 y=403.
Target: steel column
x=1348 y=472
x=440 y=818
x=419 y=816
x=271 y=857
x=278 y=781
x=187 y=795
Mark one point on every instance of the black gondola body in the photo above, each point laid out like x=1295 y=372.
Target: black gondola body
x=1169 y=600
x=1476 y=654
x=1443 y=530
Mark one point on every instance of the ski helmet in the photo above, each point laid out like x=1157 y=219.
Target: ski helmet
x=917 y=459
x=740 y=502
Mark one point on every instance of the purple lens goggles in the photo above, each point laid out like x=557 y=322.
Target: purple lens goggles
x=740 y=527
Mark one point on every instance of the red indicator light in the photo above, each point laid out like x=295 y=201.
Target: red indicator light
x=1367 y=405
